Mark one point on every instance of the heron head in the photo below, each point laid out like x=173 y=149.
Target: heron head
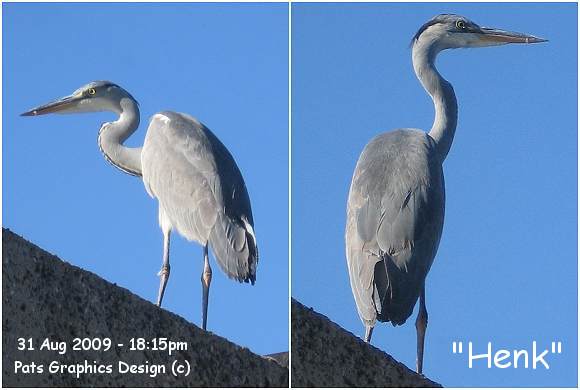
x=92 y=97
x=448 y=31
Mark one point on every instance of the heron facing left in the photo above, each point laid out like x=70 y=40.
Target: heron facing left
x=196 y=181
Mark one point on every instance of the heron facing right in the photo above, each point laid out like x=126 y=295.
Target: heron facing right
x=396 y=203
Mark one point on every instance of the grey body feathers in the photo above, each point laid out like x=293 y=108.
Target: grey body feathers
x=395 y=214
x=200 y=190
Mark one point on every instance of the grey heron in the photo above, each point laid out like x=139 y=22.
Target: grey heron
x=396 y=202
x=197 y=183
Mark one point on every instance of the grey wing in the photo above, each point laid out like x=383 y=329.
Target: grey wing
x=232 y=238
x=394 y=222
x=201 y=191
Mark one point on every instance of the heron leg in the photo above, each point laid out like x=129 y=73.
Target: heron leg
x=205 y=282
x=165 y=268
x=421 y=325
x=368 y=333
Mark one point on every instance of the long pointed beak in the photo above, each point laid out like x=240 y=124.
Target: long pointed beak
x=54 y=107
x=496 y=36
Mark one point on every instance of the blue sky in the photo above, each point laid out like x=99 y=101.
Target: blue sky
x=225 y=64
x=506 y=270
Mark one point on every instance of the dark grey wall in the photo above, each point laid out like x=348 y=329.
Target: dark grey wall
x=325 y=355
x=44 y=297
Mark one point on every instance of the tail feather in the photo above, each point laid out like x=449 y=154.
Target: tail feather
x=233 y=243
x=396 y=291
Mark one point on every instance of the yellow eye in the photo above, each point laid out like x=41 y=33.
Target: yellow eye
x=91 y=91
x=460 y=24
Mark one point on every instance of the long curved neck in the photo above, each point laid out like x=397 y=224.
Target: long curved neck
x=113 y=134
x=441 y=92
